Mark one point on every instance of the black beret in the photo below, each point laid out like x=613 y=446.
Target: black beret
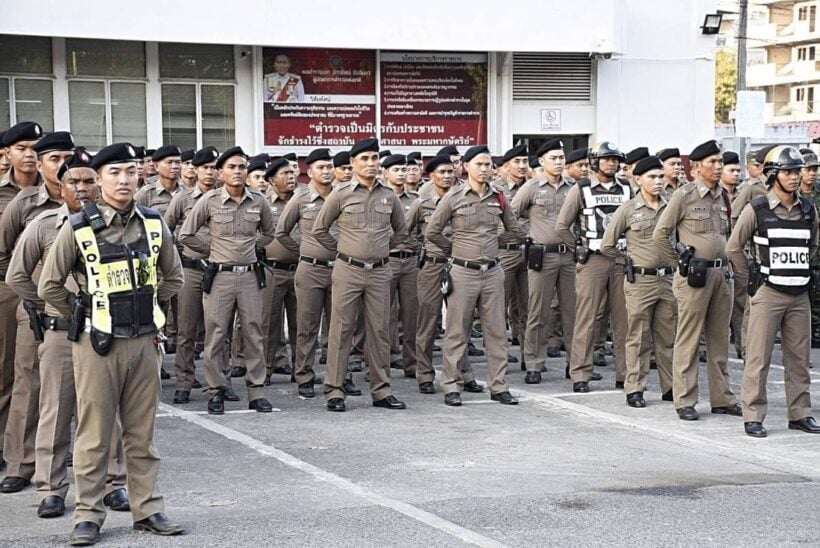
x=645 y=164
x=187 y=155
x=290 y=156
x=230 y=153
x=577 y=155
x=665 y=153
x=24 y=131
x=118 y=153
x=383 y=153
x=535 y=162
x=552 y=144
x=165 y=151
x=59 y=140
x=440 y=160
x=341 y=159
x=2 y=136
x=394 y=160
x=760 y=155
x=472 y=152
x=140 y=152
x=514 y=152
x=257 y=164
x=636 y=154
x=449 y=150
x=80 y=158
x=205 y=156
x=731 y=158
x=414 y=157
x=318 y=154
x=150 y=152
x=365 y=145
x=275 y=166
x=704 y=150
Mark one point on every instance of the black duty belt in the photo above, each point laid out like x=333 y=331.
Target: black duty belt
x=436 y=260
x=665 y=271
x=316 y=262
x=476 y=265
x=197 y=264
x=403 y=254
x=709 y=263
x=362 y=264
x=287 y=267
x=55 y=324
x=555 y=248
x=237 y=268
x=512 y=247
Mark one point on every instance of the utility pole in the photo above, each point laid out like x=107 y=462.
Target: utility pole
x=742 y=26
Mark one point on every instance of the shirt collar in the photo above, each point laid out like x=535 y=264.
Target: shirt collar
x=703 y=189
x=224 y=196
x=640 y=202
x=562 y=180
x=161 y=189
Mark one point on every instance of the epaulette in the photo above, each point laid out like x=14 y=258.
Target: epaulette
x=45 y=214
x=687 y=188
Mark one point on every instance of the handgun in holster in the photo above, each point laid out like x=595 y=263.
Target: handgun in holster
x=421 y=257
x=34 y=320
x=76 y=318
x=755 y=278
x=629 y=270
x=582 y=253
x=208 y=277
x=259 y=270
x=445 y=281
x=685 y=254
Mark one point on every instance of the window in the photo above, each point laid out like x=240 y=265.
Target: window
x=103 y=112
x=29 y=96
x=802 y=14
x=810 y=101
x=113 y=58
x=800 y=95
x=196 y=115
x=200 y=62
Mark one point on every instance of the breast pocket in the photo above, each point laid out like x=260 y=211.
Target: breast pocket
x=699 y=222
x=642 y=228
x=250 y=222
x=383 y=213
x=723 y=220
x=222 y=224
x=493 y=214
x=465 y=218
x=353 y=216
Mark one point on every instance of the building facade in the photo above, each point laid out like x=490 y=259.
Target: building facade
x=291 y=77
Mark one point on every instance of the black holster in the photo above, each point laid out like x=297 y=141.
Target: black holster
x=535 y=257
x=208 y=277
x=76 y=318
x=445 y=281
x=582 y=254
x=421 y=256
x=101 y=342
x=697 y=273
x=259 y=270
x=755 y=279
x=629 y=270
x=34 y=320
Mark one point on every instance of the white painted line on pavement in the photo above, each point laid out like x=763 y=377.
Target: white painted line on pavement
x=462 y=533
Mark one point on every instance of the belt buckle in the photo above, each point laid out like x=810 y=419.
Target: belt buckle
x=562 y=248
x=718 y=263
x=368 y=266
x=329 y=263
x=484 y=267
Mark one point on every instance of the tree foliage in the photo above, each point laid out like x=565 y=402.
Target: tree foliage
x=725 y=84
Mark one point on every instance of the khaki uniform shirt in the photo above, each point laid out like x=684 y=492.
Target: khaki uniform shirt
x=236 y=229
x=636 y=220
x=26 y=205
x=295 y=227
x=418 y=217
x=31 y=252
x=276 y=251
x=407 y=198
x=700 y=218
x=178 y=210
x=538 y=202
x=365 y=218
x=155 y=196
x=750 y=190
x=474 y=221
x=65 y=257
x=9 y=189
x=746 y=227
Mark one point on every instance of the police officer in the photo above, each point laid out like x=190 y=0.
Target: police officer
x=57 y=395
x=577 y=165
x=116 y=358
x=782 y=226
x=551 y=267
x=729 y=179
x=365 y=211
x=404 y=268
x=18 y=442
x=650 y=304
x=752 y=187
x=342 y=170
x=432 y=263
x=149 y=168
x=698 y=218
x=18 y=143
x=630 y=160
x=809 y=190
x=590 y=204
x=240 y=222
x=475 y=210
x=187 y=174
x=191 y=328
x=413 y=179
x=672 y=170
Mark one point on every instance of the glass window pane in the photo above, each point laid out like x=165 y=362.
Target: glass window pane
x=34 y=101
x=105 y=58
x=203 y=62
x=87 y=113
x=179 y=115
x=128 y=117
x=28 y=54
x=218 y=122
x=5 y=106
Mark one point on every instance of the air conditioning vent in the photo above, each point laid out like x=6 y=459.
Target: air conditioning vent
x=552 y=77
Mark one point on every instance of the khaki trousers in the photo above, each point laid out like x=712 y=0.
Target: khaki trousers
x=126 y=379
x=190 y=327
x=555 y=330
x=404 y=296
x=278 y=298
x=234 y=292
x=738 y=311
x=484 y=290
x=556 y=277
x=516 y=294
x=429 y=312
x=598 y=279
x=57 y=403
x=8 y=335
x=354 y=288
x=652 y=312
x=771 y=310
x=24 y=411
x=702 y=309
x=312 y=284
